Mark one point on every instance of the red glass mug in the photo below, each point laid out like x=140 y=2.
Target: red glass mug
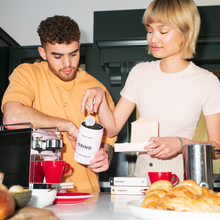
x=38 y=172
x=155 y=176
x=54 y=170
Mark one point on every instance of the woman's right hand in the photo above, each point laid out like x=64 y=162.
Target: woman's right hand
x=92 y=98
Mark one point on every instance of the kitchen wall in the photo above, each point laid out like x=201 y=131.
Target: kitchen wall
x=20 y=18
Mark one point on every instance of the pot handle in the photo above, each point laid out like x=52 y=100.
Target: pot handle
x=204 y=184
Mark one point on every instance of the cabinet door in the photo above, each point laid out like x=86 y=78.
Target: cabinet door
x=4 y=55
x=29 y=54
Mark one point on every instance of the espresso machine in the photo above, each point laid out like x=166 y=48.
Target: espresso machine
x=20 y=144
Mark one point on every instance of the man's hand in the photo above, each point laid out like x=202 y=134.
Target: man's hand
x=72 y=134
x=102 y=159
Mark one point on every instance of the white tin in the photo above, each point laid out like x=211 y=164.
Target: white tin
x=88 y=142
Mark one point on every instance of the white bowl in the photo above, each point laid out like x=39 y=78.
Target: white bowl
x=42 y=197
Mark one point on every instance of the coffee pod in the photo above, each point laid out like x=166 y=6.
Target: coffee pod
x=90 y=121
x=88 y=141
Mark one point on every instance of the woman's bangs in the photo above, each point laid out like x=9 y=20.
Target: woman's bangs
x=156 y=16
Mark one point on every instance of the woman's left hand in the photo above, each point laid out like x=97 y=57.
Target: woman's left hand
x=163 y=147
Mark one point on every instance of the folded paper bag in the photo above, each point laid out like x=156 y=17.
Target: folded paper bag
x=143 y=129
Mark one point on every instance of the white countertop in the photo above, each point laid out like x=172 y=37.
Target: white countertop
x=101 y=206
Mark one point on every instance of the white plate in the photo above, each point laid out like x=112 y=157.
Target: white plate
x=136 y=210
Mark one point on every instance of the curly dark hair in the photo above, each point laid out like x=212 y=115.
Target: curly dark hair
x=58 y=29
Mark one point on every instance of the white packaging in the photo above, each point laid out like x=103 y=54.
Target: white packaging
x=130 y=181
x=88 y=142
x=131 y=147
x=129 y=190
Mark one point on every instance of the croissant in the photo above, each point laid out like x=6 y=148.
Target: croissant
x=187 y=196
x=156 y=191
x=200 y=203
x=161 y=184
x=152 y=198
x=184 y=189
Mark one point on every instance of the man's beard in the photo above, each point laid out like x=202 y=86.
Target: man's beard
x=64 y=77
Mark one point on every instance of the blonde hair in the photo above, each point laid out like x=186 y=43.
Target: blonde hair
x=182 y=15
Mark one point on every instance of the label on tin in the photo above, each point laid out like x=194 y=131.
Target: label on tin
x=88 y=143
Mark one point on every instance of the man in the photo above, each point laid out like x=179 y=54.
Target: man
x=48 y=94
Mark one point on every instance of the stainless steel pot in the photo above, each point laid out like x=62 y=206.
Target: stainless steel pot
x=198 y=164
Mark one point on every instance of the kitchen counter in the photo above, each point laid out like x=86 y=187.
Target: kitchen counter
x=100 y=206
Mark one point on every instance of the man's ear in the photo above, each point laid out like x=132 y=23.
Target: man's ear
x=42 y=53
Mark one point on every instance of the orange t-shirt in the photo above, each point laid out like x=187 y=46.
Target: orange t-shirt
x=35 y=86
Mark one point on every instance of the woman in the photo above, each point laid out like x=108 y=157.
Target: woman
x=172 y=90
